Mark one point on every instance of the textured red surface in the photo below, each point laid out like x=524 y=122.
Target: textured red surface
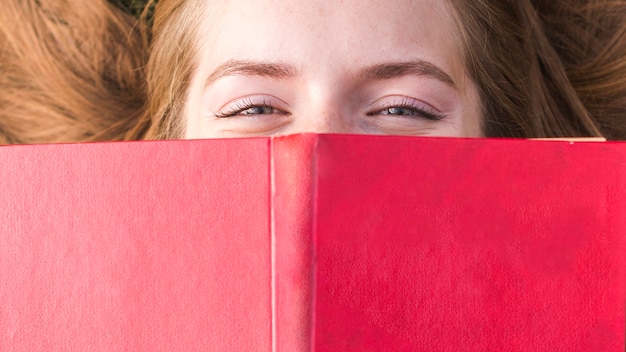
x=135 y=246
x=314 y=243
x=468 y=245
x=293 y=212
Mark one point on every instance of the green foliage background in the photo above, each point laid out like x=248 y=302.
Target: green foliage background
x=134 y=7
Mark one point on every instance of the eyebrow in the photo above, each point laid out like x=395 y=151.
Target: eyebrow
x=253 y=68
x=398 y=69
x=376 y=72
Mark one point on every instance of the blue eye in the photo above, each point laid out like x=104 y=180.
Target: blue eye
x=399 y=111
x=246 y=107
x=410 y=108
x=257 y=110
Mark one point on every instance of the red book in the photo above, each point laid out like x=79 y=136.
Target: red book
x=314 y=243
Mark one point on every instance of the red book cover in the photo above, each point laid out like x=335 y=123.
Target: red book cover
x=314 y=243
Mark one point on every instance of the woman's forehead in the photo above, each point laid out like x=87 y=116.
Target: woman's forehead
x=357 y=32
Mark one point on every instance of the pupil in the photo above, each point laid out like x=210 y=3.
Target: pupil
x=399 y=111
x=259 y=110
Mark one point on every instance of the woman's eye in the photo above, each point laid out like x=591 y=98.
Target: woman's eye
x=258 y=110
x=399 y=111
x=248 y=107
x=409 y=111
x=406 y=107
x=248 y=111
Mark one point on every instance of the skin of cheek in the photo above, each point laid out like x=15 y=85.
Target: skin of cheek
x=471 y=114
x=194 y=106
x=193 y=109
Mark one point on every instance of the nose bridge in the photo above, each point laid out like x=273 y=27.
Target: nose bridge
x=327 y=112
x=328 y=120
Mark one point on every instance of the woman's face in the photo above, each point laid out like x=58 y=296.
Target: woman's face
x=271 y=67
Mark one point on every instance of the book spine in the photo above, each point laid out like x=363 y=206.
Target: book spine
x=292 y=168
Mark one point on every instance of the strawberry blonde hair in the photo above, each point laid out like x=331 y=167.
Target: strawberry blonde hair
x=547 y=68
x=69 y=71
x=173 y=59
x=543 y=68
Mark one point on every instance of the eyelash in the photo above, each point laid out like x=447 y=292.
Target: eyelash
x=419 y=109
x=406 y=103
x=243 y=105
